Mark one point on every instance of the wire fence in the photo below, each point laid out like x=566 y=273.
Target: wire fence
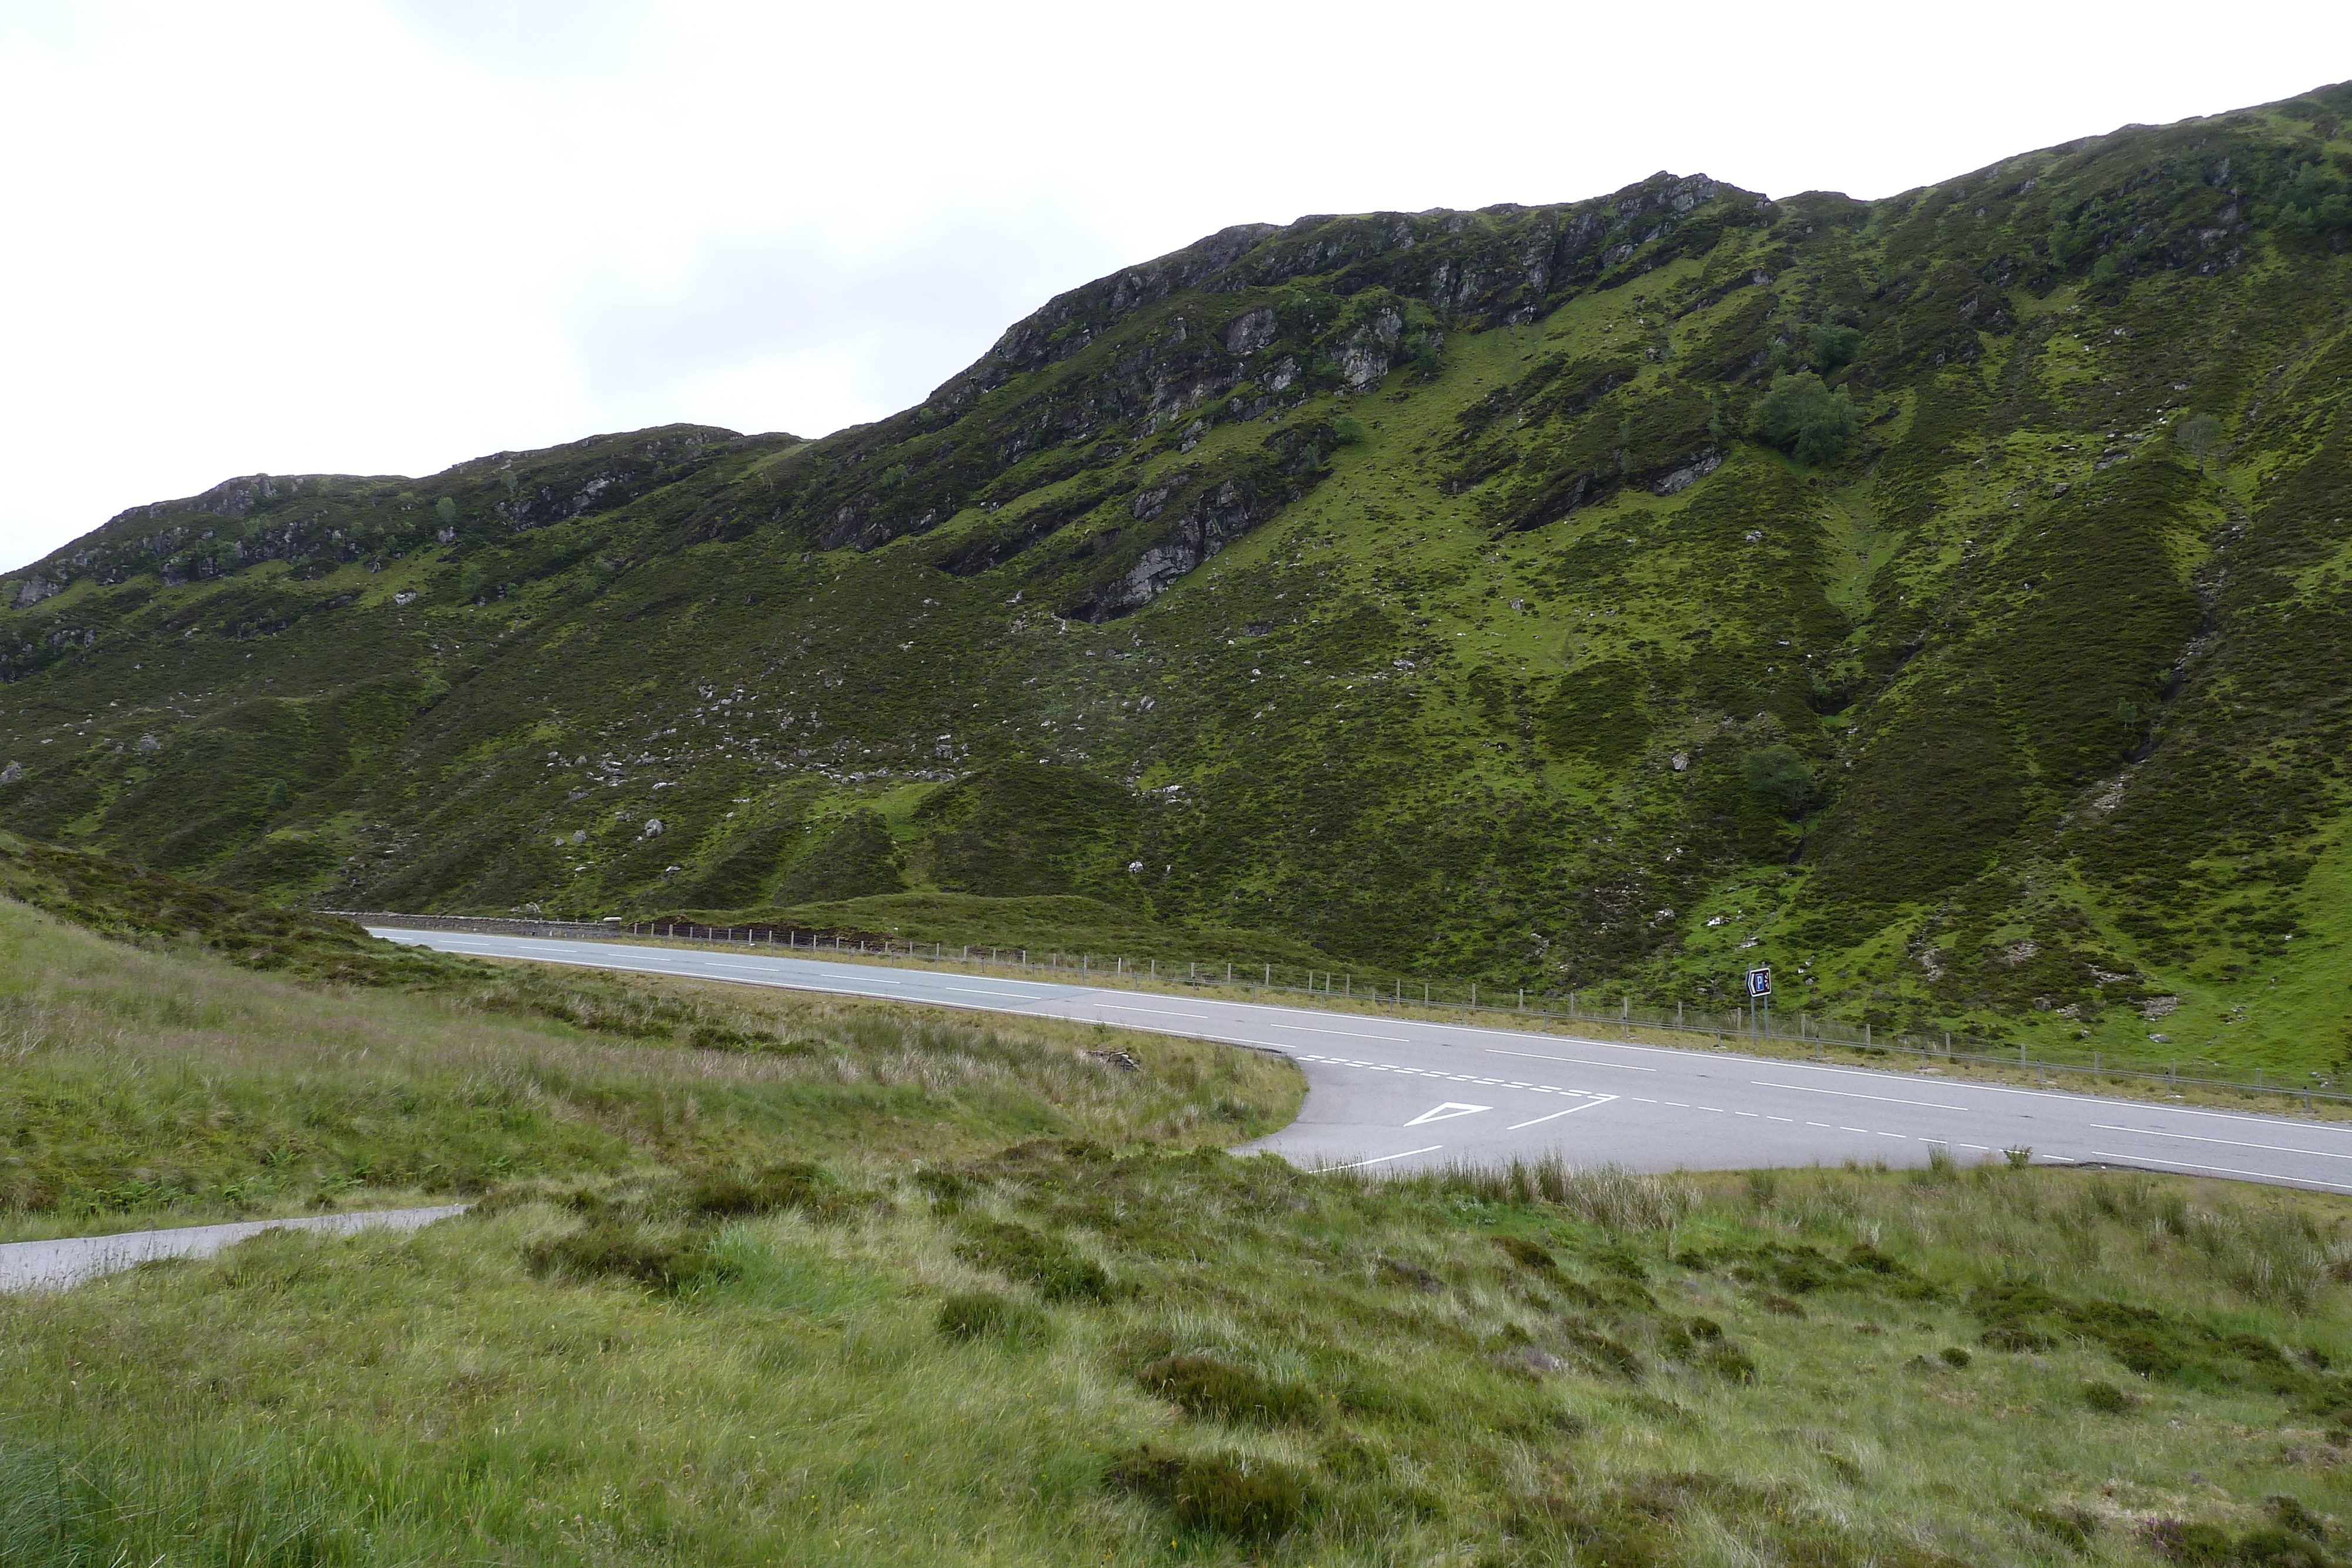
x=1744 y=1024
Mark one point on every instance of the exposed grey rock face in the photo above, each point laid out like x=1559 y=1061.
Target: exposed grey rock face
x=33 y=589
x=149 y=743
x=653 y=828
x=1214 y=520
x=10 y=773
x=1365 y=359
x=1690 y=473
x=1251 y=331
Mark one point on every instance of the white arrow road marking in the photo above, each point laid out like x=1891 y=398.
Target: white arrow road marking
x=1556 y=1116
x=1447 y=1111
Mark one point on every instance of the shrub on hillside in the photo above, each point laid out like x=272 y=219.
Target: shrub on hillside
x=1527 y=1254
x=1779 y=776
x=610 y=1250
x=2105 y=1397
x=1247 y=1498
x=1204 y=1385
x=2316 y=205
x=1834 y=347
x=1805 y=419
x=1035 y=1258
x=985 y=1315
x=795 y=1184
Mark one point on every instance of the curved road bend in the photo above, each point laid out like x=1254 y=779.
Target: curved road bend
x=1403 y=1093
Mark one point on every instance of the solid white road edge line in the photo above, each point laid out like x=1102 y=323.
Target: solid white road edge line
x=2231 y=1143
x=2217 y=1170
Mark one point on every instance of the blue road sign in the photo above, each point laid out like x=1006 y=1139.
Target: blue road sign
x=1759 y=982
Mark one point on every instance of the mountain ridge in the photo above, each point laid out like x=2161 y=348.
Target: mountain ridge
x=1927 y=595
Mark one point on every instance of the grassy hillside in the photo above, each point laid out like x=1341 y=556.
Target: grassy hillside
x=1938 y=597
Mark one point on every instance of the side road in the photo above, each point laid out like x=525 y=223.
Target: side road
x=69 y=1260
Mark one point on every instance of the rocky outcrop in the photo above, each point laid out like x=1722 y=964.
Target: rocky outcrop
x=1214 y=520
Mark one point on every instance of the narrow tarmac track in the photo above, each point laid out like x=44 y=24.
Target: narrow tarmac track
x=1402 y=1093
x=69 y=1260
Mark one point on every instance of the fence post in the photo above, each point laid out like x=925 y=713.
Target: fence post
x=1523 y=999
x=1473 y=993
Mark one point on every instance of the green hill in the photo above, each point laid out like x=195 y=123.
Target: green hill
x=1939 y=597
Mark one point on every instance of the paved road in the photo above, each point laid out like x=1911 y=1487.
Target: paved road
x=1385 y=1091
x=54 y=1265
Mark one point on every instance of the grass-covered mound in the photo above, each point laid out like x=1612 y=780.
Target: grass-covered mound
x=1068 y=1352
x=118 y=899
x=140 y=1085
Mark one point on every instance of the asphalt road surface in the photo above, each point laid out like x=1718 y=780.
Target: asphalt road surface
x=69 y=1260
x=1397 y=1092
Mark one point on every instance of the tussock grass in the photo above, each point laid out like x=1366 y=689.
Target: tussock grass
x=1283 y=1366
x=140 y=1085
x=722 y=1309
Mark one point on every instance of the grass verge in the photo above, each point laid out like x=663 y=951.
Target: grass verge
x=1060 y=1353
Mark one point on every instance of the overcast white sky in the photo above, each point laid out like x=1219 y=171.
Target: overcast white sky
x=382 y=237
